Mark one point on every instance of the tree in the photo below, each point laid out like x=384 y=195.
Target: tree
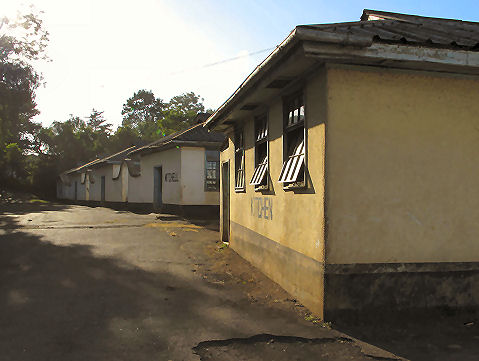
x=181 y=112
x=22 y=43
x=143 y=112
x=123 y=138
x=97 y=122
x=151 y=118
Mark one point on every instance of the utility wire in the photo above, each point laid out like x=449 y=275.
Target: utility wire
x=209 y=65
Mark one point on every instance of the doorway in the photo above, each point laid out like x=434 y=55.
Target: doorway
x=158 y=188
x=225 y=195
x=76 y=190
x=103 y=188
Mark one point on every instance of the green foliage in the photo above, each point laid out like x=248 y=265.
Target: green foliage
x=124 y=137
x=151 y=118
x=14 y=162
x=22 y=42
x=181 y=112
x=143 y=113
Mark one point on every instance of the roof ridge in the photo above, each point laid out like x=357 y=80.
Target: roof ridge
x=408 y=17
x=169 y=137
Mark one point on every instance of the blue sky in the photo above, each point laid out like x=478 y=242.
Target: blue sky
x=104 y=50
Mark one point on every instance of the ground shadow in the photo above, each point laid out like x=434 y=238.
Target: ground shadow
x=65 y=303
x=433 y=334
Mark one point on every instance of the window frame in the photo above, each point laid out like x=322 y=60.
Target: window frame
x=261 y=124
x=208 y=187
x=239 y=152
x=289 y=151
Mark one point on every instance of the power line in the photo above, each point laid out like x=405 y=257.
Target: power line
x=209 y=65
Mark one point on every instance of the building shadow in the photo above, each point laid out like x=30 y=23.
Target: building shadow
x=432 y=334
x=63 y=302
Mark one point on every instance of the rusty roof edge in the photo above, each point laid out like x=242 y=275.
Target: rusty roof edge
x=306 y=33
x=285 y=44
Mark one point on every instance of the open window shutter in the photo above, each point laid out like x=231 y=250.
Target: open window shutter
x=290 y=171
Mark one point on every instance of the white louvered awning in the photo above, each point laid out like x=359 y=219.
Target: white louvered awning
x=259 y=172
x=291 y=168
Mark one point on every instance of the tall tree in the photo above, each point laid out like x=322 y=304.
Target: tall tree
x=22 y=43
x=97 y=122
x=181 y=111
x=143 y=112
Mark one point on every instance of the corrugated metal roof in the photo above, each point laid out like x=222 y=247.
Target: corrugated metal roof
x=77 y=169
x=381 y=26
x=111 y=158
x=117 y=157
x=196 y=133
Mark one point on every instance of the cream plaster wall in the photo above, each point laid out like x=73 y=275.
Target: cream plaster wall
x=193 y=178
x=68 y=191
x=113 y=187
x=141 y=188
x=402 y=167
x=124 y=176
x=95 y=188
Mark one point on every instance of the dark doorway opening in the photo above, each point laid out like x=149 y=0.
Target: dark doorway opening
x=158 y=188
x=225 y=194
x=103 y=188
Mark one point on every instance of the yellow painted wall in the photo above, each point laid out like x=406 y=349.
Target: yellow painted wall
x=402 y=167
x=297 y=218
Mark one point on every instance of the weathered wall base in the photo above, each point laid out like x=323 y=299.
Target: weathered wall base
x=384 y=287
x=201 y=211
x=298 y=274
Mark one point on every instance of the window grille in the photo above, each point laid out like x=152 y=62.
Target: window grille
x=259 y=178
x=212 y=161
x=293 y=170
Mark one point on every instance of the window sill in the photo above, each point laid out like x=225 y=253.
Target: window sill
x=261 y=188
x=240 y=190
x=295 y=186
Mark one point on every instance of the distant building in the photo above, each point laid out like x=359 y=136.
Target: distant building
x=351 y=171
x=177 y=173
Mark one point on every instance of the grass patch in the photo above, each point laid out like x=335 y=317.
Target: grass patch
x=222 y=246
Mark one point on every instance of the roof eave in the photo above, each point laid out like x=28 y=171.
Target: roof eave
x=344 y=48
x=282 y=48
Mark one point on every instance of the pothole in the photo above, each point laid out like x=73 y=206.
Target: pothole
x=272 y=347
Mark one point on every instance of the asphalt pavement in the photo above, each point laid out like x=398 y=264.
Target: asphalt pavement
x=84 y=283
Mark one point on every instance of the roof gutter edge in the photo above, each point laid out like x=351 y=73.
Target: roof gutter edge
x=286 y=43
x=300 y=33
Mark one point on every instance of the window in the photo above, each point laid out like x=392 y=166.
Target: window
x=259 y=179
x=212 y=166
x=239 y=161
x=293 y=171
